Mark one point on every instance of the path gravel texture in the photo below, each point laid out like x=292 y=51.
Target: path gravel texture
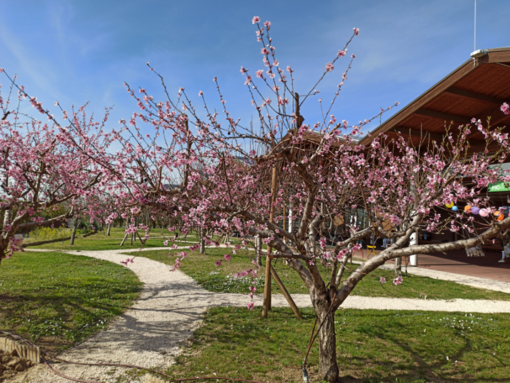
x=171 y=306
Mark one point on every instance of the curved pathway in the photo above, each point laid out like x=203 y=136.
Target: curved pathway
x=171 y=306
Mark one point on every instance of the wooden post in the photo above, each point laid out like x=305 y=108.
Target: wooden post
x=73 y=234
x=124 y=239
x=258 y=249
x=285 y=293
x=125 y=235
x=202 y=241
x=267 y=286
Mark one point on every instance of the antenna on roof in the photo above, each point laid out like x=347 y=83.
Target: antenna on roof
x=475 y=28
x=480 y=52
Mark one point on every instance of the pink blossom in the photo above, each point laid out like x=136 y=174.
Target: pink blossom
x=264 y=51
x=218 y=262
x=505 y=108
x=260 y=73
x=250 y=305
x=329 y=67
x=356 y=31
x=267 y=24
x=395 y=220
x=342 y=53
x=382 y=280
x=200 y=93
x=397 y=281
x=256 y=19
x=227 y=257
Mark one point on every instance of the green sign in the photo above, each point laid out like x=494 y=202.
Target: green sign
x=500 y=186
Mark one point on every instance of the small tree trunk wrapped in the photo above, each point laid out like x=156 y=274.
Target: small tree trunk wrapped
x=109 y=228
x=398 y=266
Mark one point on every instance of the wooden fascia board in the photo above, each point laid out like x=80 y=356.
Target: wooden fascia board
x=499 y=56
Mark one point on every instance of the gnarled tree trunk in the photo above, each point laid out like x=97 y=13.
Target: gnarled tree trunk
x=328 y=366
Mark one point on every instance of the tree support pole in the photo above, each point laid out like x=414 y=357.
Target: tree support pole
x=267 y=285
x=286 y=294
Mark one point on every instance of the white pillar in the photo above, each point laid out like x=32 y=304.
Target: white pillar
x=413 y=259
x=290 y=219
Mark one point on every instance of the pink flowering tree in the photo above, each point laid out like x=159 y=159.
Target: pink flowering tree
x=209 y=170
x=44 y=166
x=288 y=182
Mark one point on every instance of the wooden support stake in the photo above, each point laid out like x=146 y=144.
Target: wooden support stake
x=285 y=293
x=124 y=240
x=267 y=285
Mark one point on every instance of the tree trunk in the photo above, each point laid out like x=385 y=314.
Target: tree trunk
x=73 y=234
x=109 y=228
x=258 y=249
x=7 y=217
x=398 y=266
x=328 y=367
x=202 y=242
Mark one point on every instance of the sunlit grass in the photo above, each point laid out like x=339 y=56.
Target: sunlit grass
x=372 y=346
x=58 y=300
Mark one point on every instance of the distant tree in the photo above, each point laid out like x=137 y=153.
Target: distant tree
x=44 y=166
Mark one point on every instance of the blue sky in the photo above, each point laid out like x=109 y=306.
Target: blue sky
x=80 y=51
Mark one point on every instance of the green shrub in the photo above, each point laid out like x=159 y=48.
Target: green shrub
x=48 y=233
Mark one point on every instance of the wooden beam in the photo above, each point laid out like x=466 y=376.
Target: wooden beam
x=475 y=96
x=443 y=116
x=416 y=133
x=267 y=284
x=285 y=293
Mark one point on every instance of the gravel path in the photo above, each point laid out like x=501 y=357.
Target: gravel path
x=171 y=306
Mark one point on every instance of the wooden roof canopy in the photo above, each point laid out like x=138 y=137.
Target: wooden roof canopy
x=477 y=88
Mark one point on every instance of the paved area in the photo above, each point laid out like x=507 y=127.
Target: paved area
x=457 y=262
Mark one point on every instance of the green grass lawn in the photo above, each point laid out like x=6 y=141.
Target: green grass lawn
x=202 y=269
x=372 y=346
x=101 y=241
x=58 y=300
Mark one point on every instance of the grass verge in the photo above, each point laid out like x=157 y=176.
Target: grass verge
x=219 y=279
x=58 y=300
x=372 y=346
x=101 y=241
